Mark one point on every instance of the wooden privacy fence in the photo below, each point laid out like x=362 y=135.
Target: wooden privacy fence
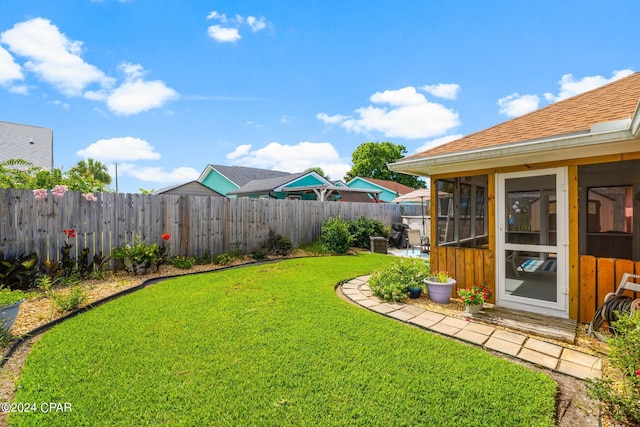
x=196 y=223
x=598 y=277
x=468 y=266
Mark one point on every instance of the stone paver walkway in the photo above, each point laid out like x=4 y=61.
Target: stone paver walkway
x=539 y=352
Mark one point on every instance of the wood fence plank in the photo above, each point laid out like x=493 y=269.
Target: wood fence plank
x=623 y=266
x=588 y=288
x=605 y=274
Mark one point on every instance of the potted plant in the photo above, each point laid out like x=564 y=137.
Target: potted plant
x=474 y=297
x=440 y=286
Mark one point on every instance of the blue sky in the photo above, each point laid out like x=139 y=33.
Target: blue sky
x=165 y=88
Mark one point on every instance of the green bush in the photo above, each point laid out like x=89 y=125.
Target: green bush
x=278 y=245
x=183 y=262
x=336 y=236
x=259 y=255
x=19 y=273
x=71 y=300
x=205 y=258
x=236 y=251
x=391 y=283
x=222 y=259
x=140 y=257
x=619 y=393
x=362 y=228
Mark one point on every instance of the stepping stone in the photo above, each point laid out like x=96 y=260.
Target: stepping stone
x=502 y=346
x=543 y=347
x=537 y=358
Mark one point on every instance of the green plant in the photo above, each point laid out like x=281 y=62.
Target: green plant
x=236 y=251
x=391 y=283
x=183 y=262
x=205 y=258
x=222 y=259
x=336 y=236
x=362 y=228
x=8 y=297
x=19 y=273
x=619 y=393
x=439 y=276
x=259 y=254
x=74 y=298
x=140 y=257
x=278 y=245
x=475 y=295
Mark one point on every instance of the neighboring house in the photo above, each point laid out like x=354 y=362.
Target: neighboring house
x=192 y=188
x=31 y=143
x=303 y=186
x=539 y=205
x=389 y=189
x=224 y=179
x=240 y=181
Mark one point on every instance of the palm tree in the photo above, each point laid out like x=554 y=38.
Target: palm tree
x=93 y=169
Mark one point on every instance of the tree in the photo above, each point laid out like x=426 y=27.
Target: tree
x=370 y=161
x=318 y=170
x=93 y=169
x=21 y=174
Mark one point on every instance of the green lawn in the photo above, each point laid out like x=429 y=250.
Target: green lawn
x=269 y=345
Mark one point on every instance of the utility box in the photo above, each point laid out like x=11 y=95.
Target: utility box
x=378 y=245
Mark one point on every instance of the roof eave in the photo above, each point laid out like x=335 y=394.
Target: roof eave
x=424 y=166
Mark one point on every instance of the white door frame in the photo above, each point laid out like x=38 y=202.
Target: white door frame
x=560 y=308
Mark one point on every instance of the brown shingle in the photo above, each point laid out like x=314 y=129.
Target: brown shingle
x=615 y=101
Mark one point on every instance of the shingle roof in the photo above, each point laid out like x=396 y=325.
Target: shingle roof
x=268 y=184
x=396 y=187
x=241 y=175
x=615 y=101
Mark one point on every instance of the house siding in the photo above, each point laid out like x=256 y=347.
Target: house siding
x=217 y=182
x=31 y=143
x=385 y=196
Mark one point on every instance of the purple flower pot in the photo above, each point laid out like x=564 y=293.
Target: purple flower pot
x=440 y=292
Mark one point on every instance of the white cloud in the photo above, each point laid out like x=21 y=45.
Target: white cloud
x=116 y=149
x=214 y=14
x=53 y=57
x=411 y=117
x=516 y=105
x=137 y=95
x=569 y=86
x=292 y=158
x=56 y=60
x=436 y=142
x=241 y=150
x=9 y=69
x=256 y=24
x=443 y=90
x=224 y=34
x=158 y=174
x=285 y=119
x=229 y=31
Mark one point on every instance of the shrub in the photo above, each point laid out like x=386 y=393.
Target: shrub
x=335 y=235
x=19 y=273
x=140 y=257
x=222 y=259
x=278 y=245
x=70 y=300
x=183 y=262
x=392 y=282
x=362 y=228
x=619 y=393
x=259 y=255
x=205 y=258
x=235 y=252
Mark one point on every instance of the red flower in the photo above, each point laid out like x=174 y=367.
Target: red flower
x=166 y=236
x=70 y=233
x=638 y=372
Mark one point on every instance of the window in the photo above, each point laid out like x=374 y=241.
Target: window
x=461 y=211
x=609 y=209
